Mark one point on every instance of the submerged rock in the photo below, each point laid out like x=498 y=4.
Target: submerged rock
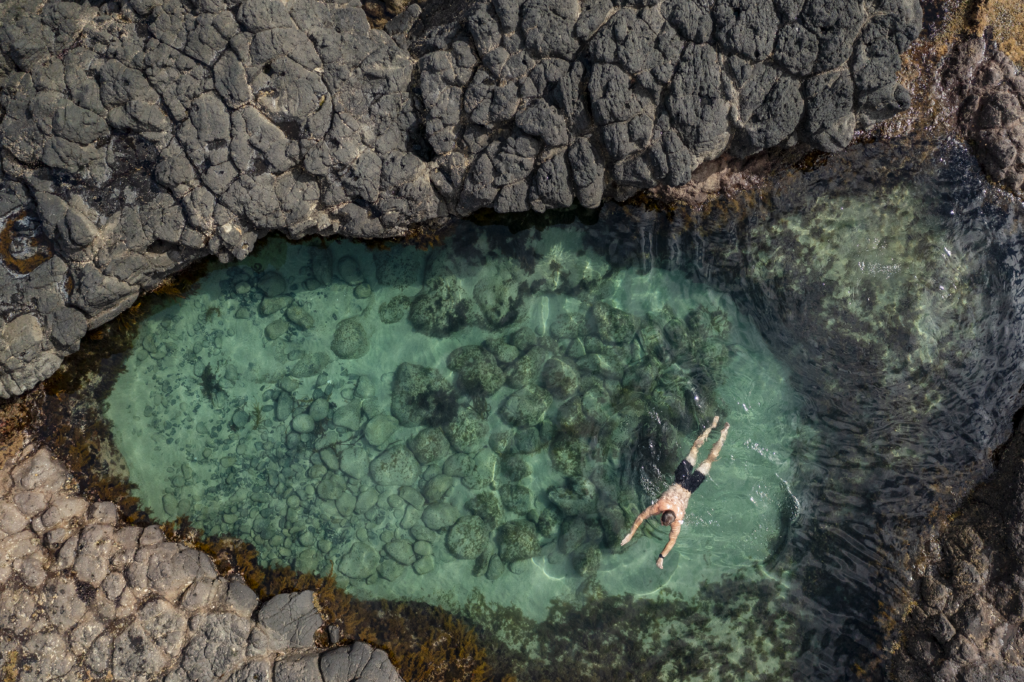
x=379 y=429
x=394 y=310
x=360 y=561
x=518 y=541
x=442 y=307
x=560 y=378
x=430 y=445
x=350 y=339
x=467 y=432
x=526 y=407
x=396 y=466
x=478 y=371
x=467 y=538
x=613 y=325
x=420 y=395
x=440 y=516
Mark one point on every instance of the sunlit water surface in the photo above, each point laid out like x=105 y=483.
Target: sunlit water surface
x=476 y=426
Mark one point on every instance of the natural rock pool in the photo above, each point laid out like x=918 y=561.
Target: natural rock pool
x=476 y=426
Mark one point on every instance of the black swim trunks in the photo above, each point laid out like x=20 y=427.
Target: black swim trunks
x=687 y=477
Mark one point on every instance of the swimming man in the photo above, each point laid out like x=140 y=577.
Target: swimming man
x=672 y=504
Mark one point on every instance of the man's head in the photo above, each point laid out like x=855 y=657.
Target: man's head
x=668 y=518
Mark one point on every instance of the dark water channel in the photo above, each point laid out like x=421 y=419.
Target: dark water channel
x=859 y=323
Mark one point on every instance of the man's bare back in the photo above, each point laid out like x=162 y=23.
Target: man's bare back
x=672 y=503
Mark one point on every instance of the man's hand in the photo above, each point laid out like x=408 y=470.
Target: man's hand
x=625 y=540
x=661 y=563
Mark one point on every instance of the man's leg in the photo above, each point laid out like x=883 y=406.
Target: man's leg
x=699 y=443
x=705 y=466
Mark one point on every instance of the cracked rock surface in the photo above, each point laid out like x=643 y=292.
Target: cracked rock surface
x=83 y=596
x=990 y=89
x=138 y=137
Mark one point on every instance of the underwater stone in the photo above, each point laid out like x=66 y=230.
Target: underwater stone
x=561 y=378
x=330 y=487
x=355 y=462
x=516 y=498
x=487 y=506
x=423 y=548
x=400 y=551
x=571 y=502
x=362 y=291
x=467 y=538
x=309 y=364
x=503 y=352
x=346 y=503
x=524 y=339
x=574 y=534
x=567 y=453
x=495 y=568
x=303 y=423
x=458 y=466
x=400 y=266
x=391 y=570
x=360 y=562
x=568 y=326
x=588 y=561
x=396 y=466
x=319 y=409
x=527 y=441
x=437 y=487
x=348 y=416
x=613 y=524
x=350 y=339
x=570 y=417
x=424 y=565
x=478 y=370
x=394 y=310
x=526 y=407
x=467 y=433
x=602 y=365
x=273 y=305
x=276 y=329
x=518 y=541
x=442 y=307
x=411 y=517
x=481 y=470
x=430 y=445
x=411 y=496
x=321 y=264
x=240 y=418
x=576 y=349
x=526 y=369
x=420 y=395
x=307 y=561
x=613 y=325
x=379 y=429
x=367 y=500
x=423 y=533
x=300 y=317
x=501 y=441
x=439 y=516
x=547 y=523
x=500 y=296
x=349 y=271
x=516 y=468
x=272 y=284
x=329 y=458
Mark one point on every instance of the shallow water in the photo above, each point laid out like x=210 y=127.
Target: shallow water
x=860 y=332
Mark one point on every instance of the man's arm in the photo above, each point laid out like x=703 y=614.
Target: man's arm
x=644 y=515
x=676 y=525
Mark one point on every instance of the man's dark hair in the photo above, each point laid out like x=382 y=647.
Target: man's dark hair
x=668 y=517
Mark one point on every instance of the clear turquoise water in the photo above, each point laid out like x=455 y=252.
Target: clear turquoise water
x=861 y=333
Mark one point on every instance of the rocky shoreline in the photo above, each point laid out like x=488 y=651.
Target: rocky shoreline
x=142 y=136
x=965 y=602
x=84 y=596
